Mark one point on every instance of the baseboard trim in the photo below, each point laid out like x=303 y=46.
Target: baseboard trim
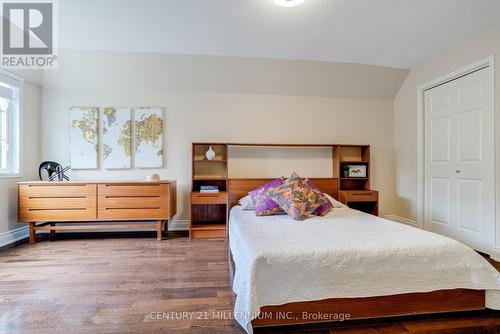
x=402 y=220
x=496 y=254
x=13 y=236
x=21 y=233
x=178 y=225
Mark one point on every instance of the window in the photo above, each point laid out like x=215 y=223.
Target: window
x=9 y=125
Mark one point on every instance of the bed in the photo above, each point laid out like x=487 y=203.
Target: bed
x=347 y=265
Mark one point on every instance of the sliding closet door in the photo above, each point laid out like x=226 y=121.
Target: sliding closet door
x=459 y=160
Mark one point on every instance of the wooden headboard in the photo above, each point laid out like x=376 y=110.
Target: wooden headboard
x=238 y=188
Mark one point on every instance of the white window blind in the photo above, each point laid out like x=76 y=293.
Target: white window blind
x=4 y=142
x=9 y=125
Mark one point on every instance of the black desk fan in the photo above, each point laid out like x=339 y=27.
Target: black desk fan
x=51 y=171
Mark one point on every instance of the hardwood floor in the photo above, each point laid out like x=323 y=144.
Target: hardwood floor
x=116 y=285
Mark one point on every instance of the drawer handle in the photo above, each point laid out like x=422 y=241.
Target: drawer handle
x=146 y=208
x=362 y=194
x=132 y=196
x=56 y=209
x=56 y=197
x=133 y=185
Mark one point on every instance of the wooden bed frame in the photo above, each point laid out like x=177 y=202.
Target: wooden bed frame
x=335 y=309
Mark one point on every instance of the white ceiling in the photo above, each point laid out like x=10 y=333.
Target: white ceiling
x=394 y=33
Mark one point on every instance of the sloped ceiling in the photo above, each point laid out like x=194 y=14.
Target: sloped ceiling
x=330 y=48
x=102 y=70
x=393 y=33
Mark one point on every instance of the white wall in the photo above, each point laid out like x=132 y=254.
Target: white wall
x=467 y=52
x=193 y=114
x=30 y=161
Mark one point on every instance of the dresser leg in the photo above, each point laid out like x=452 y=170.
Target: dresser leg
x=32 y=233
x=165 y=233
x=159 y=225
x=52 y=232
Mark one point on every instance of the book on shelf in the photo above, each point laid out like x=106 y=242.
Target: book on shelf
x=209 y=189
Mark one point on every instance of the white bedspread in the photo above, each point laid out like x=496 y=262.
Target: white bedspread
x=345 y=254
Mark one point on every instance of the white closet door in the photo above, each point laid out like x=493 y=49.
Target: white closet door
x=459 y=160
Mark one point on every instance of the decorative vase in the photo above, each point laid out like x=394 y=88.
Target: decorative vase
x=153 y=177
x=210 y=154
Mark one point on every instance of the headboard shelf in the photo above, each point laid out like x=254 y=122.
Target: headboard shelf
x=215 y=172
x=280 y=145
x=203 y=161
x=354 y=162
x=209 y=178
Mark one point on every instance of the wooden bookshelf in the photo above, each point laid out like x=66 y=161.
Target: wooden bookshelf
x=355 y=191
x=208 y=211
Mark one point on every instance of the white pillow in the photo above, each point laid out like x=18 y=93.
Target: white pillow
x=335 y=203
x=247 y=203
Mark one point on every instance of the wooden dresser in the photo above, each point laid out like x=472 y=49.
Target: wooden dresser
x=44 y=204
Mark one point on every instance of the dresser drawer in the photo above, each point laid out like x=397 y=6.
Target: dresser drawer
x=159 y=213
x=361 y=196
x=131 y=190
x=56 y=203
x=219 y=198
x=56 y=215
x=145 y=202
x=126 y=207
x=58 y=190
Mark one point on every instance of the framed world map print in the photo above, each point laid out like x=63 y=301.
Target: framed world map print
x=116 y=138
x=149 y=137
x=84 y=137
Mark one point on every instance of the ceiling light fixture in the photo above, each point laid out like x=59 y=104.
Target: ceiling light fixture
x=288 y=3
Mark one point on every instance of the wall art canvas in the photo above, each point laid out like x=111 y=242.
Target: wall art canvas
x=149 y=137
x=116 y=138
x=84 y=137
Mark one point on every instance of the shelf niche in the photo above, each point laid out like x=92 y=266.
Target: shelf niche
x=208 y=214
x=354 y=155
x=199 y=150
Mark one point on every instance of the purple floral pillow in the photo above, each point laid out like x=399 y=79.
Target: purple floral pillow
x=297 y=198
x=323 y=208
x=264 y=205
